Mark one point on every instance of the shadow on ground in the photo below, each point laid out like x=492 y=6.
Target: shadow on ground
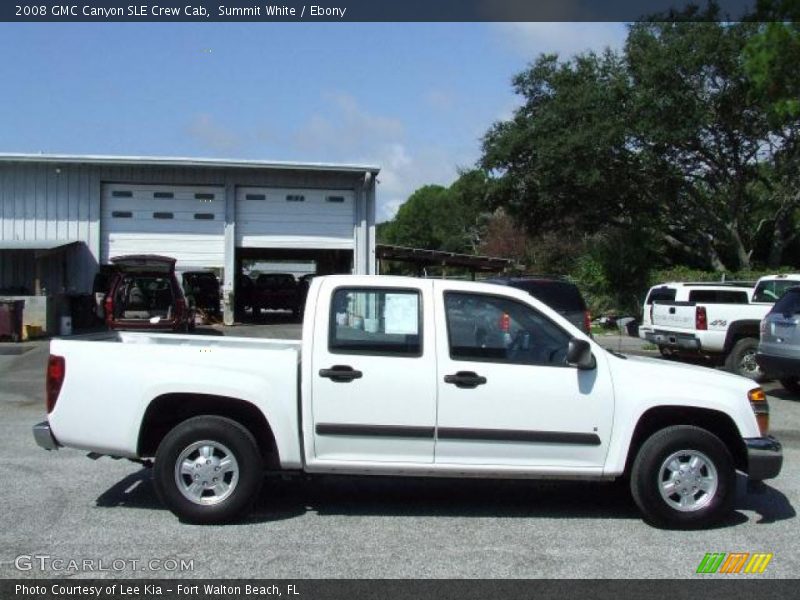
x=425 y=497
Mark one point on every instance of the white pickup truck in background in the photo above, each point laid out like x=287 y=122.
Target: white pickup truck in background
x=719 y=320
x=409 y=377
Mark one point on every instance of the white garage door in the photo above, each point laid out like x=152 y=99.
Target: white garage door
x=185 y=222
x=290 y=218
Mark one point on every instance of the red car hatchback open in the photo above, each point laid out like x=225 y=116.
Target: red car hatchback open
x=145 y=294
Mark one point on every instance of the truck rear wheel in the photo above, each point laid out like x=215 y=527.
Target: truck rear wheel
x=742 y=359
x=683 y=477
x=208 y=470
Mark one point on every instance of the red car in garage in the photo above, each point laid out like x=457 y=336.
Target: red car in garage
x=144 y=293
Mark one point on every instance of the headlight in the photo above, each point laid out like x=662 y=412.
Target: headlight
x=758 y=402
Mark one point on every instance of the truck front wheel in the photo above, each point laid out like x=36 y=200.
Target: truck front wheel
x=208 y=469
x=683 y=477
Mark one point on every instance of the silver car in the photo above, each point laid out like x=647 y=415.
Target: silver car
x=779 y=350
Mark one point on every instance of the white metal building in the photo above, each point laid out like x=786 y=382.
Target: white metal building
x=62 y=216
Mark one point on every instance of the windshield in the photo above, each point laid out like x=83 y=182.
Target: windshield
x=771 y=290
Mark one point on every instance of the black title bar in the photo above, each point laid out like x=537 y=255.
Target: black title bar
x=355 y=10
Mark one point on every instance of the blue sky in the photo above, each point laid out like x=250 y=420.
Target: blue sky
x=413 y=99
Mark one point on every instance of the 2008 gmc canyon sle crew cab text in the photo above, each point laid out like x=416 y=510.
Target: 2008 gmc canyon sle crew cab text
x=401 y=376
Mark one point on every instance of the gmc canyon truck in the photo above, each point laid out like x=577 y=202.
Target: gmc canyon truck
x=409 y=377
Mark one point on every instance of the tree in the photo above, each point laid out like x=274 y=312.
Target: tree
x=771 y=59
x=439 y=218
x=665 y=137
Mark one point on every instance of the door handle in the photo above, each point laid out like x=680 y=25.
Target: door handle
x=341 y=373
x=465 y=379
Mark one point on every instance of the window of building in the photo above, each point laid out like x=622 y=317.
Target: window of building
x=122 y=194
x=204 y=216
x=375 y=321
x=335 y=199
x=255 y=196
x=163 y=195
x=122 y=214
x=295 y=198
x=163 y=215
x=204 y=196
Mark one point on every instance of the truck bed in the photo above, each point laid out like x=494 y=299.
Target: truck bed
x=111 y=378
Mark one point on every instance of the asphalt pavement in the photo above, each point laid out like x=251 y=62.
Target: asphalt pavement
x=64 y=506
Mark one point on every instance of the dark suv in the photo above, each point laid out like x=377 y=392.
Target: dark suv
x=276 y=291
x=559 y=294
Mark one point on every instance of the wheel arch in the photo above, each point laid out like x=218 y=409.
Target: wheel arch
x=168 y=410
x=713 y=421
x=741 y=329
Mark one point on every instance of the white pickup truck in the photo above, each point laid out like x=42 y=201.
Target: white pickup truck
x=409 y=377
x=718 y=320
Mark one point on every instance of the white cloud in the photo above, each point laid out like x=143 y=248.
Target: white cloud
x=212 y=135
x=565 y=39
x=440 y=99
x=347 y=132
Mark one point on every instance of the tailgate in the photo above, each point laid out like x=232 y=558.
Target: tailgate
x=674 y=315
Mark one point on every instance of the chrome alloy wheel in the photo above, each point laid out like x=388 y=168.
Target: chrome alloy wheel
x=687 y=480
x=748 y=367
x=206 y=472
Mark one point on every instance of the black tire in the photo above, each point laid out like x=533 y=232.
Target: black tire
x=223 y=433
x=791 y=385
x=647 y=477
x=741 y=360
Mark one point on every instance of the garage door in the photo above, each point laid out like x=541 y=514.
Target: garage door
x=185 y=222
x=290 y=218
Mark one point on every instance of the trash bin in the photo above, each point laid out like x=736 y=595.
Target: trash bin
x=11 y=319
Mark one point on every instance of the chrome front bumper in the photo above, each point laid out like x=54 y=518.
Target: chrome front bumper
x=44 y=437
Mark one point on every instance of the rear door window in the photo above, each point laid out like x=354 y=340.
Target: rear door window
x=376 y=321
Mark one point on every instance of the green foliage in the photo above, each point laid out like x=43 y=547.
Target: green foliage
x=614 y=270
x=439 y=218
x=772 y=57
x=666 y=136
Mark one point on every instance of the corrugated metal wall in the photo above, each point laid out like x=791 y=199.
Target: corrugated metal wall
x=50 y=201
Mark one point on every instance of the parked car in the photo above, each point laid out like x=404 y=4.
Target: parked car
x=560 y=294
x=779 y=349
x=398 y=380
x=276 y=291
x=721 y=321
x=203 y=290
x=144 y=293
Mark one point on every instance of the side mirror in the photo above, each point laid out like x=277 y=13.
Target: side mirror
x=579 y=353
